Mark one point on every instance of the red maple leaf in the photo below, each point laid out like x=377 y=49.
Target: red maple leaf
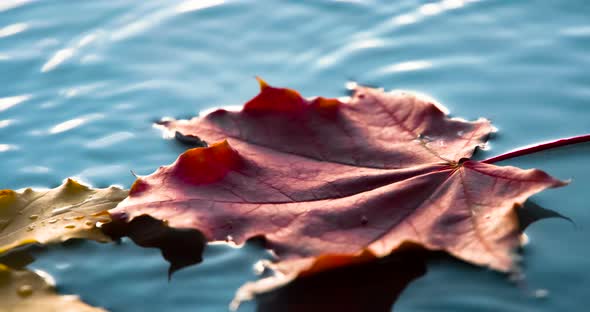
x=328 y=182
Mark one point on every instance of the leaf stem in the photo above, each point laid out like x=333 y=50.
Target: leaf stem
x=538 y=148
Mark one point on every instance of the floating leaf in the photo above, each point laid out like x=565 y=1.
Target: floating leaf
x=68 y=211
x=25 y=291
x=331 y=183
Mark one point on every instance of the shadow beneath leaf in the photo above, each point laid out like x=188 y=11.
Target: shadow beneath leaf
x=373 y=286
x=180 y=247
x=531 y=212
x=20 y=258
x=191 y=141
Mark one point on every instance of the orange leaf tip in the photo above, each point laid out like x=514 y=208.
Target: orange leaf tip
x=263 y=84
x=72 y=186
x=331 y=261
x=205 y=165
x=272 y=99
x=139 y=186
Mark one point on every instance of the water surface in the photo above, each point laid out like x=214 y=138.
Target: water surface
x=82 y=82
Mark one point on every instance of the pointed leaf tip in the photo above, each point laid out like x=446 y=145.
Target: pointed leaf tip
x=72 y=186
x=263 y=84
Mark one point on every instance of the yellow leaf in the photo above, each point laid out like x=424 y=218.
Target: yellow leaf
x=71 y=210
x=25 y=291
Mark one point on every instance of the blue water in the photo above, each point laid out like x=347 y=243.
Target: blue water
x=82 y=82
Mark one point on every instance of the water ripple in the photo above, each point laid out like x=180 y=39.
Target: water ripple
x=195 y=5
x=73 y=123
x=7 y=147
x=406 y=66
x=13 y=29
x=83 y=81
x=110 y=140
x=577 y=31
x=5 y=123
x=6 y=5
x=58 y=58
x=8 y=102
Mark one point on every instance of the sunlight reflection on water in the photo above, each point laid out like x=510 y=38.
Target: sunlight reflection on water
x=83 y=82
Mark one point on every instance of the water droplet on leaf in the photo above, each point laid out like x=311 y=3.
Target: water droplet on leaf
x=24 y=290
